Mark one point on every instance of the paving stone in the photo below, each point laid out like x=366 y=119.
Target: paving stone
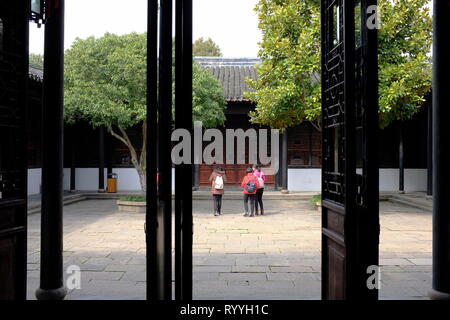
x=251 y=269
x=421 y=261
x=242 y=276
x=276 y=256
x=126 y=267
x=292 y=276
x=134 y=276
x=90 y=275
x=395 y=262
x=212 y=268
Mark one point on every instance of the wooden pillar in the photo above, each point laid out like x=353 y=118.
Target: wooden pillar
x=430 y=152
x=159 y=197
x=441 y=151
x=284 y=162
x=183 y=172
x=401 y=161
x=51 y=277
x=101 y=160
x=152 y=245
x=72 y=161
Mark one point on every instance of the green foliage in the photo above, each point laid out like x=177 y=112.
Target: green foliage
x=134 y=198
x=288 y=89
x=208 y=103
x=405 y=71
x=105 y=80
x=105 y=84
x=36 y=60
x=208 y=48
x=315 y=199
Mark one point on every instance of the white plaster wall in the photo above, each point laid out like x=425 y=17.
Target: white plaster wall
x=66 y=177
x=86 y=179
x=298 y=179
x=304 y=179
x=34 y=181
x=415 y=180
x=127 y=179
x=310 y=179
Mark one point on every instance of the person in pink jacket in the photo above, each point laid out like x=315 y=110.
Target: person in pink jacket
x=259 y=193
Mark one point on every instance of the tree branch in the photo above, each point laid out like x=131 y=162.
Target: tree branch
x=317 y=126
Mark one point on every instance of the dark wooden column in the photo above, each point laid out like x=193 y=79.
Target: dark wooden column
x=152 y=245
x=430 y=152
x=284 y=162
x=72 y=161
x=164 y=212
x=401 y=160
x=101 y=160
x=441 y=151
x=195 y=176
x=183 y=172
x=159 y=217
x=51 y=284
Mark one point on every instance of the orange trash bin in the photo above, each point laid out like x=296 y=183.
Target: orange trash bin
x=112 y=183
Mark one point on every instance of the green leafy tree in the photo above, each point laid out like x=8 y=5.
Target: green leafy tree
x=36 y=60
x=288 y=90
x=206 y=48
x=105 y=85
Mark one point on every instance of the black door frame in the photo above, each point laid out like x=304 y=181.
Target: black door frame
x=350 y=218
x=13 y=149
x=159 y=162
x=356 y=196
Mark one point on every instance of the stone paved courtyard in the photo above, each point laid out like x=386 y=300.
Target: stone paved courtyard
x=275 y=256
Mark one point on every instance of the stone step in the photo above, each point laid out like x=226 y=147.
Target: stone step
x=418 y=203
x=35 y=207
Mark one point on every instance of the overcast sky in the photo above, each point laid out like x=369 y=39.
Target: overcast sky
x=232 y=24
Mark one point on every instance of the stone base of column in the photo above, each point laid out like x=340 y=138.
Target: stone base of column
x=401 y=192
x=51 y=294
x=284 y=191
x=438 y=295
x=101 y=191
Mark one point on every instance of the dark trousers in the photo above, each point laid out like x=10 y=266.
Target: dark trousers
x=259 y=194
x=217 y=203
x=249 y=198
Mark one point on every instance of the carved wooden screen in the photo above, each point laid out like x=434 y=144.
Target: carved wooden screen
x=350 y=228
x=13 y=174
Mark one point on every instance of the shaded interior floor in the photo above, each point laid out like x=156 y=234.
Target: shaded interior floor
x=275 y=256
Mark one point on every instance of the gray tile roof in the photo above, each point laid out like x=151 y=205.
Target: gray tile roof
x=231 y=72
x=36 y=74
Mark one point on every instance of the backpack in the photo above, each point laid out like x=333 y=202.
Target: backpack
x=218 y=183
x=261 y=182
x=250 y=187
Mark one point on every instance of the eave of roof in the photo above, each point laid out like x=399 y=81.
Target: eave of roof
x=36 y=74
x=232 y=73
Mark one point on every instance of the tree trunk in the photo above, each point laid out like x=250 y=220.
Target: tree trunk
x=143 y=180
x=140 y=165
